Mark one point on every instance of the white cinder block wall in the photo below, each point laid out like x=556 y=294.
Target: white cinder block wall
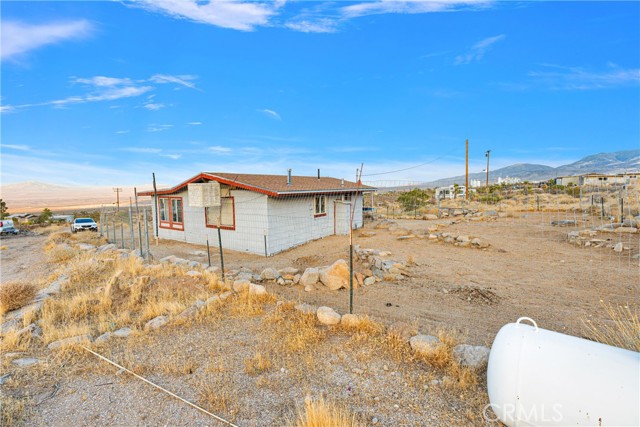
x=287 y=222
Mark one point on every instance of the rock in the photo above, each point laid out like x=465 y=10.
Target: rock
x=10 y=325
x=328 y=316
x=618 y=247
x=223 y=296
x=563 y=223
x=336 y=276
x=306 y=308
x=198 y=253
x=188 y=313
x=490 y=213
x=433 y=237
x=280 y=281
x=19 y=313
x=156 y=322
x=213 y=300
x=309 y=277
x=269 y=274
x=350 y=320
x=630 y=230
x=69 y=341
x=359 y=278
x=193 y=273
x=407 y=237
x=367 y=233
x=296 y=279
x=309 y=288
x=123 y=332
x=257 y=290
x=630 y=223
x=194 y=264
x=32 y=330
x=241 y=285
x=470 y=355
x=462 y=239
x=25 y=361
x=424 y=344
x=430 y=217
x=54 y=288
x=289 y=271
x=402 y=331
x=369 y=281
x=103 y=338
x=4 y=378
x=107 y=247
x=169 y=258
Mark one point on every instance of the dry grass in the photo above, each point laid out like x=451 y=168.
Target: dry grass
x=14 y=295
x=247 y=304
x=12 y=411
x=217 y=396
x=621 y=329
x=320 y=413
x=257 y=364
x=11 y=341
x=59 y=254
x=292 y=331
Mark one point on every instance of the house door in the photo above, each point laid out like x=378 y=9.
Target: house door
x=341 y=217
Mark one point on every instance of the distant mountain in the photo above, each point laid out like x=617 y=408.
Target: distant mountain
x=610 y=163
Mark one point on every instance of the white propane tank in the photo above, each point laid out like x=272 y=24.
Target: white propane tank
x=537 y=377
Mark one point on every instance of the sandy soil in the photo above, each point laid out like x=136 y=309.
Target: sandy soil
x=529 y=270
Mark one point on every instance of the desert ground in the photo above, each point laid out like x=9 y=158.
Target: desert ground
x=256 y=360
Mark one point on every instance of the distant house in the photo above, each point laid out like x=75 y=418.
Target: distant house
x=23 y=218
x=260 y=214
x=600 y=179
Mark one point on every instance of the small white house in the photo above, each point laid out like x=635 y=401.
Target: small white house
x=260 y=214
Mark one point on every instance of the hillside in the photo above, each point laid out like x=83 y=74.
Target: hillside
x=611 y=163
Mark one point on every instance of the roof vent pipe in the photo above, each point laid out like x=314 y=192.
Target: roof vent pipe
x=289 y=178
x=318 y=173
x=342 y=182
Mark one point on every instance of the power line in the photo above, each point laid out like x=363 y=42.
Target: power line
x=412 y=167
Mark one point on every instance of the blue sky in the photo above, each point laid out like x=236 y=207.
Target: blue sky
x=105 y=93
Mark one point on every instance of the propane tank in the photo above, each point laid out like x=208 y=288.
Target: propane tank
x=537 y=377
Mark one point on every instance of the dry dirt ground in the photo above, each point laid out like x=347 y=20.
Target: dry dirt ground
x=529 y=270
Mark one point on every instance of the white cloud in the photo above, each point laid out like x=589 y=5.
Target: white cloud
x=232 y=14
x=171 y=156
x=322 y=25
x=120 y=132
x=154 y=106
x=478 y=50
x=271 y=113
x=143 y=150
x=18 y=38
x=409 y=6
x=219 y=149
x=102 y=81
x=183 y=80
x=577 y=78
x=6 y=108
x=194 y=123
x=158 y=128
x=16 y=147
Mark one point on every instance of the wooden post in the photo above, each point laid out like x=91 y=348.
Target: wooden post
x=466 y=181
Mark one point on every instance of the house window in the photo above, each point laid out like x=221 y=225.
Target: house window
x=320 y=206
x=170 y=212
x=346 y=197
x=225 y=214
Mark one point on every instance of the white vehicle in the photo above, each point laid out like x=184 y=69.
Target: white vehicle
x=82 y=224
x=6 y=227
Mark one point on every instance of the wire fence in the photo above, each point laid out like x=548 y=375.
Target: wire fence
x=434 y=258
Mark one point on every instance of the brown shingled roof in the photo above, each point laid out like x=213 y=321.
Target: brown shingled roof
x=272 y=185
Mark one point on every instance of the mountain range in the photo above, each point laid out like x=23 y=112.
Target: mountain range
x=607 y=163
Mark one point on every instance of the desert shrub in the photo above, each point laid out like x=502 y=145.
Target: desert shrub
x=620 y=329
x=14 y=295
x=320 y=413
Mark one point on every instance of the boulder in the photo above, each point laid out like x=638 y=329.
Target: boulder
x=103 y=338
x=257 y=290
x=107 y=247
x=306 y=308
x=618 y=247
x=430 y=217
x=289 y=271
x=241 y=285
x=424 y=344
x=25 y=361
x=296 y=279
x=369 y=281
x=336 y=276
x=69 y=341
x=328 y=316
x=309 y=277
x=309 y=288
x=269 y=274
x=188 y=313
x=629 y=230
x=156 y=322
x=193 y=273
x=470 y=355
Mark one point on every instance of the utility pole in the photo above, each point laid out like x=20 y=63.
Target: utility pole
x=488 y=153
x=117 y=190
x=466 y=180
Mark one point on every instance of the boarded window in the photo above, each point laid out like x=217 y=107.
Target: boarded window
x=225 y=213
x=320 y=205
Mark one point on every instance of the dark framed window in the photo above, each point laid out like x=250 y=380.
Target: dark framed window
x=319 y=206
